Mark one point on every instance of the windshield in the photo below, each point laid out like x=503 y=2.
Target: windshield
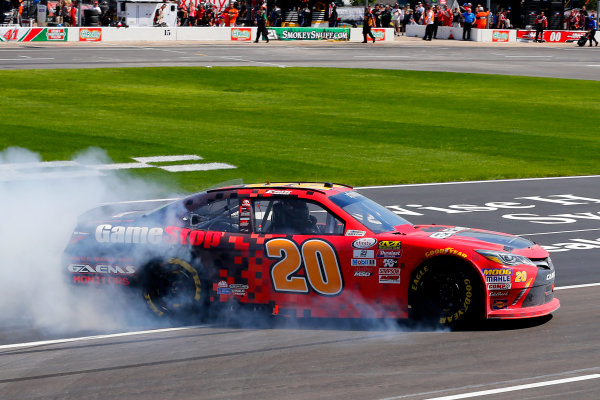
x=374 y=216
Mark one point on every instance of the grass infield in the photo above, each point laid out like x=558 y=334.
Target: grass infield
x=360 y=127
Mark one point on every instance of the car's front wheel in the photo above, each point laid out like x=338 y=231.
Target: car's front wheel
x=445 y=293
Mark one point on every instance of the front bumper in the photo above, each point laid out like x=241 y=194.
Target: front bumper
x=527 y=312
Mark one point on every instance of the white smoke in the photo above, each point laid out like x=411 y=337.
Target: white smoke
x=38 y=212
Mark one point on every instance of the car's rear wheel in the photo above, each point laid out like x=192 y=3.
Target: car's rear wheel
x=445 y=293
x=174 y=289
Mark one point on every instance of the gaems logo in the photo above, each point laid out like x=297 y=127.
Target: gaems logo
x=101 y=269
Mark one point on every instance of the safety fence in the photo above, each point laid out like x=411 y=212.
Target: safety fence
x=237 y=34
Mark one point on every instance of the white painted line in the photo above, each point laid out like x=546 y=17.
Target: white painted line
x=25 y=59
x=594 y=65
x=528 y=56
x=519 y=387
x=86 y=338
x=468 y=182
x=235 y=58
x=196 y=167
x=42 y=164
x=186 y=157
x=585 y=285
x=121 y=166
x=383 y=56
x=552 y=233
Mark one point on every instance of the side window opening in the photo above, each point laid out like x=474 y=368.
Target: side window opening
x=294 y=216
x=217 y=215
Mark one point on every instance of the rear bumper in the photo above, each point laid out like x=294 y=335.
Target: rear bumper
x=527 y=312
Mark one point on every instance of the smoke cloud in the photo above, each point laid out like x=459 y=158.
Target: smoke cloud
x=39 y=206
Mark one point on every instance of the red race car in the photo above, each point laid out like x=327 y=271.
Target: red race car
x=307 y=250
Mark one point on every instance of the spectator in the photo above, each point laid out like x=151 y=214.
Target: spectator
x=368 y=23
x=377 y=15
x=436 y=20
x=73 y=14
x=398 y=16
x=261 y=24
x=541 y=23
x=386 y=17
x=276 y=16
x=418 y=14
x=306 y=16
x=481 y=19
x=447 y=16
x=457 y=18
x=592 y=26
x=333 y=16
x=429 y=20
x=58 y=13
x=159 y=16
x=468 y=19
x=502 y=20
x=408 y=19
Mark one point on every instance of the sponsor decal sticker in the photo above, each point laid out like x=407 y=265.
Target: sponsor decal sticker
x=309 y=33
x=379 y=34
x=364 y=243
x=240 y=34
x=498 y=286
x=222 y=284
x=389 y=278
x=500 y=304
x=389 y=253
x=364 y=262
x=389 y=271
x=550 y=276
x=390 y=245
x=352 y=232
x=497 y=275
x=56 y=34
x=447 y=250
x=280 y=192
x=100 y=280
x=362 y=273
x=223 y=290
x=101 y=269
x=498 y=294
x=363 y=253
x=390 y=263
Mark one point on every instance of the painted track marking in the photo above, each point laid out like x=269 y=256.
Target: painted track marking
x=519 y=387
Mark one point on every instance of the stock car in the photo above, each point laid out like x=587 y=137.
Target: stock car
x=316 y=250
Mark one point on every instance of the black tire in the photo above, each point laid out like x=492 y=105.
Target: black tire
x=445 y=293
x=174 y=289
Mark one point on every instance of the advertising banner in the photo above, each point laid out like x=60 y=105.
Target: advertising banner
x=241 y=34
x=90 y=34
x=379 y=34
x=500 y=36
x=309 y=33
x=552 y=36
x=19 y=34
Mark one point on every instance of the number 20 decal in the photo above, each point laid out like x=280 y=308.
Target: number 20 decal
x=521 y=276
x=320 y=263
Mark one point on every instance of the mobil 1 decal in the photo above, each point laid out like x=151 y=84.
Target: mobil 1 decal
x=299 y=268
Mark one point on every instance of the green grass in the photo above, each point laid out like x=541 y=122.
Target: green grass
x=359 y=127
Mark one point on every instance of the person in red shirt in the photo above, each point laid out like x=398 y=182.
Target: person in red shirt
x=541 y=23
x=73 y=14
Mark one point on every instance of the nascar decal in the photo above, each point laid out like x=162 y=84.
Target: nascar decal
x=33 y=34
x=352 y=232
x=363 y=253
x=316 y=258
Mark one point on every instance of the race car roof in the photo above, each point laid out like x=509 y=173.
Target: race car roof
x=316 y=186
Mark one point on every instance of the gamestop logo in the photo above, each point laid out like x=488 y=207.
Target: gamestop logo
x=90 y=34
x=240 y=34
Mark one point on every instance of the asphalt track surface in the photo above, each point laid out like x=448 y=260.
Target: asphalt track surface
x=557 y=60
x=547 y=358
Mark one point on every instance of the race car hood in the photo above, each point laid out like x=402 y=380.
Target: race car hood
x=483 y=239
